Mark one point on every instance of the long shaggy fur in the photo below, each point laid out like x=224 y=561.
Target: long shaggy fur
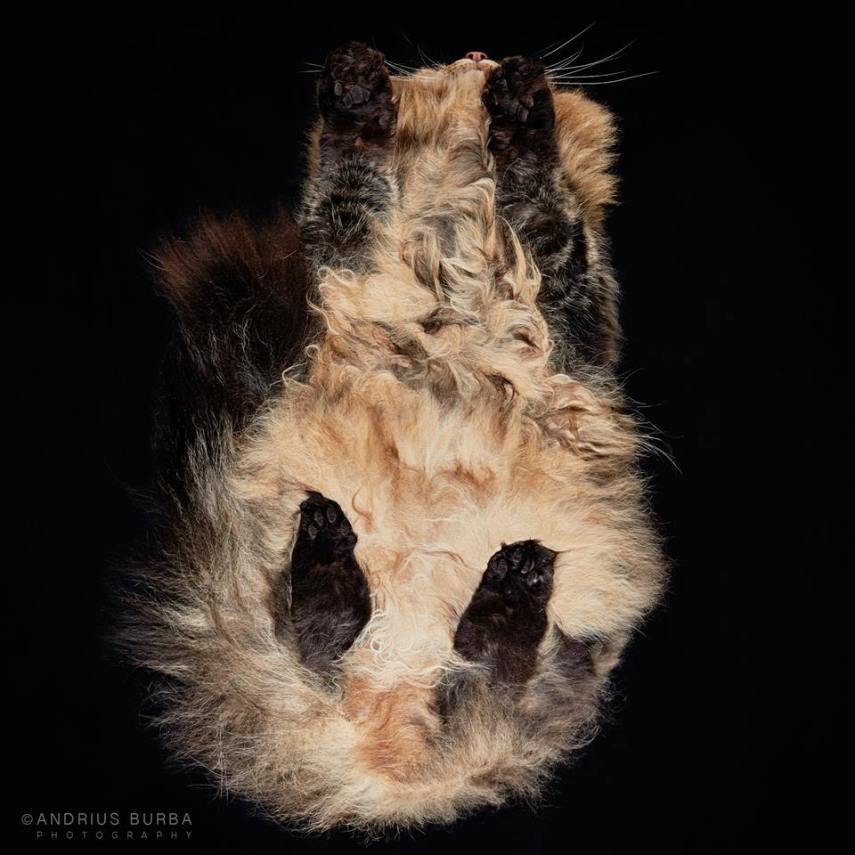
x=424 y=383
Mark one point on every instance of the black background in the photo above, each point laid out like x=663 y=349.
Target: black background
x=723 y=735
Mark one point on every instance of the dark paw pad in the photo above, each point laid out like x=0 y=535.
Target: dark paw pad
x=330 y=598
x=517 y=93
x=322 y=520
x=506 y=619
x=355 y=90
x=522 y=568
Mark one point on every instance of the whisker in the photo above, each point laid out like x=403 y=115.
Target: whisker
x=617 y=53
x=427 y=59
x=542 y=53
x=424 y=57
x=565 y=62
x=401 y=70
x=569 y=41
x=412 y=43
x=571 y=74
x=583 y=82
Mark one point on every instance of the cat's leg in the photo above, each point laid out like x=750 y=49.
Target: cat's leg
x=578 y=292
x=351 y=184
x=505 y=621
x=562 y=697
x=330 y=601
x=503 y=630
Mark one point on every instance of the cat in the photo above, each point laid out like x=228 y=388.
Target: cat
x=403 y=537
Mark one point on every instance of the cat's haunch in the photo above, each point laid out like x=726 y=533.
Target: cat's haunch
x=402 y=538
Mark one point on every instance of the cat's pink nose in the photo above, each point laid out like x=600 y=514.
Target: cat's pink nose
x=476 y=55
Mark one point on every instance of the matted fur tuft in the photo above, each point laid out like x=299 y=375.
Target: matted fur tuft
x=439 y=406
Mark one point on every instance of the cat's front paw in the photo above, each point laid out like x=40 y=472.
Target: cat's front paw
x=518 y=98
x=355 y=92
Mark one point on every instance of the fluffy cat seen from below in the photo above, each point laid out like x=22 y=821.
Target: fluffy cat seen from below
x=402 y=537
